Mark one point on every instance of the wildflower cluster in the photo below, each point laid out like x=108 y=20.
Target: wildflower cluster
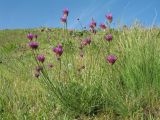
x=31 y=36
x=58 y=50
x=40 y=58
x=58 y=82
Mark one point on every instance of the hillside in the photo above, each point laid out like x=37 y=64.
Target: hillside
x=80 y=81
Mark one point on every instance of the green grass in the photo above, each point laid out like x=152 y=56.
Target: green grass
x=127 y=90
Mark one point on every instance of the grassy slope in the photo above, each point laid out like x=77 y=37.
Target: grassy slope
x=127 y=90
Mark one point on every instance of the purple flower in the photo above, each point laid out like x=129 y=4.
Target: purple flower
x=86 y=41
x=41 y=58
x=58 y=50
x=30 y=36
x=63 y=19
x=93 y=24
x=33 y=45
x=65 y=12
x=109 y=37
x=102 y=26
x=109 y=17
x=111 y=59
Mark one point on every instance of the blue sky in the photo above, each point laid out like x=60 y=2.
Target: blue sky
x=36 y=13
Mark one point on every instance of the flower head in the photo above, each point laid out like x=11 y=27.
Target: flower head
x=111 y=59
x=93 y=24
x=30 y=36
x=41 y=58
x=102 y=26
x=65 y=12
x=86 y=41
x=63 y=19
x=109 y=37
x=109 y=17
x=33 y=45
x=58 y=50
